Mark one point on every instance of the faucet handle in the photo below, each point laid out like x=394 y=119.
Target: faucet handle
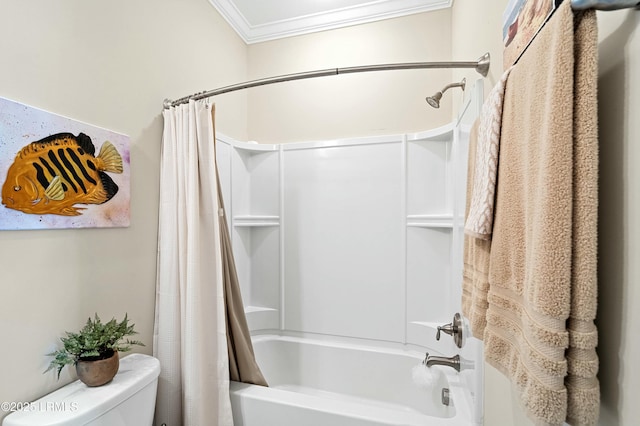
x=453 y=329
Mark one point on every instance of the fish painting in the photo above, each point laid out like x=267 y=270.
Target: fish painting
x=52 y=175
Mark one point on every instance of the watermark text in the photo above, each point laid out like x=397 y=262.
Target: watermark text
x=50 y=406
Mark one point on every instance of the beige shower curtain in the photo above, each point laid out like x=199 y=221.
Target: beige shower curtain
x=242 y=362
x=190 y=330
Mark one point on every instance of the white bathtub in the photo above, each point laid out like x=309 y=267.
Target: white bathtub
x=322 y=383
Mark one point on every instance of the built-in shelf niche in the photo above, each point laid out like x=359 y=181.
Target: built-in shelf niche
x=429 y=231
x=257 y=255
x=255 y=184
x=250 y=178
x=428 y=178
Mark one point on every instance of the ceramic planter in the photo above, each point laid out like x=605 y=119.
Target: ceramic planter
x=99 y=372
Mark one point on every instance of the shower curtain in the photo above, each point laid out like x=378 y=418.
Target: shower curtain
x=194 y=266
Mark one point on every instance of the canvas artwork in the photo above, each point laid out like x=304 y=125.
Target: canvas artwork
x=521 y=21
x=56 y=172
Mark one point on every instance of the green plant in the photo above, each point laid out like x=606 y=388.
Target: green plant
x=96 y=340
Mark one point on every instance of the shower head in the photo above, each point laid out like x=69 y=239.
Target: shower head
x=434 y=100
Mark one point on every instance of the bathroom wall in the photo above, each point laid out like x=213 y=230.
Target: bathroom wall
x=477 y=26
x=619 y=235
x=110 y=64
x=342 y=106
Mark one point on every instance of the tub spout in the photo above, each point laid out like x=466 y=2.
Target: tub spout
x=453 y=362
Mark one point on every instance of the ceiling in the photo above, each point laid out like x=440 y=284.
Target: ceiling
x=261 y=20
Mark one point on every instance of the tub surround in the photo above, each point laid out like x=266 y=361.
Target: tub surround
x=360 y=225
x=354 y=240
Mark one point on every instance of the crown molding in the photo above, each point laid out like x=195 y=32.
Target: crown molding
x=331 y=19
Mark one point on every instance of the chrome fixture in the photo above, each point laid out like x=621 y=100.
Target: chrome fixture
x=434 y=100
x=481 y=66
x=453 y=362
x=604 y=4
x=446 y=399
x=453 y=329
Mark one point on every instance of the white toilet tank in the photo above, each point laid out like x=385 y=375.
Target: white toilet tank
x=128 y=400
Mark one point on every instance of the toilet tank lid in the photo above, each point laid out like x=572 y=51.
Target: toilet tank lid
x=80 y=404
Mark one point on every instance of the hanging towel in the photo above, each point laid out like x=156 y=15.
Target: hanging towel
x=479 y=222
x=475 y=279
x=540 y=268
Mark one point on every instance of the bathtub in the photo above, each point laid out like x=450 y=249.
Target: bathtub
x=313 y=382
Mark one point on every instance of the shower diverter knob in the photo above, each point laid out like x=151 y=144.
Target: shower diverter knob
x=453 y=329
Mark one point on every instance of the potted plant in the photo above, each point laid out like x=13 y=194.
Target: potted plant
x=94 y=350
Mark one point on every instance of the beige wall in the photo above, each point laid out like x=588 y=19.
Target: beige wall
x=109 y=64
x=352 y=105
x=477 y=26
x=476 y=29
x=619 y=267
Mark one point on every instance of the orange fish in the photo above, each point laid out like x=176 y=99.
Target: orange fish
x=51 y=175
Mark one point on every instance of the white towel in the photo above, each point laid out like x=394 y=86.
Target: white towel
x=479 y=222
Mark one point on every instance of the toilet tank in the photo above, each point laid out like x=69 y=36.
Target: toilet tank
x=128 y=400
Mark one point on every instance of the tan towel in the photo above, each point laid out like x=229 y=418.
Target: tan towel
x=479 y=222
x=541 y=285
x=475 y=279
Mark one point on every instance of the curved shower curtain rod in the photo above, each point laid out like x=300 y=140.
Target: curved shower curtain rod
x=481 y=66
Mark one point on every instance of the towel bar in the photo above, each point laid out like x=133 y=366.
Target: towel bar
x=604 y=4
